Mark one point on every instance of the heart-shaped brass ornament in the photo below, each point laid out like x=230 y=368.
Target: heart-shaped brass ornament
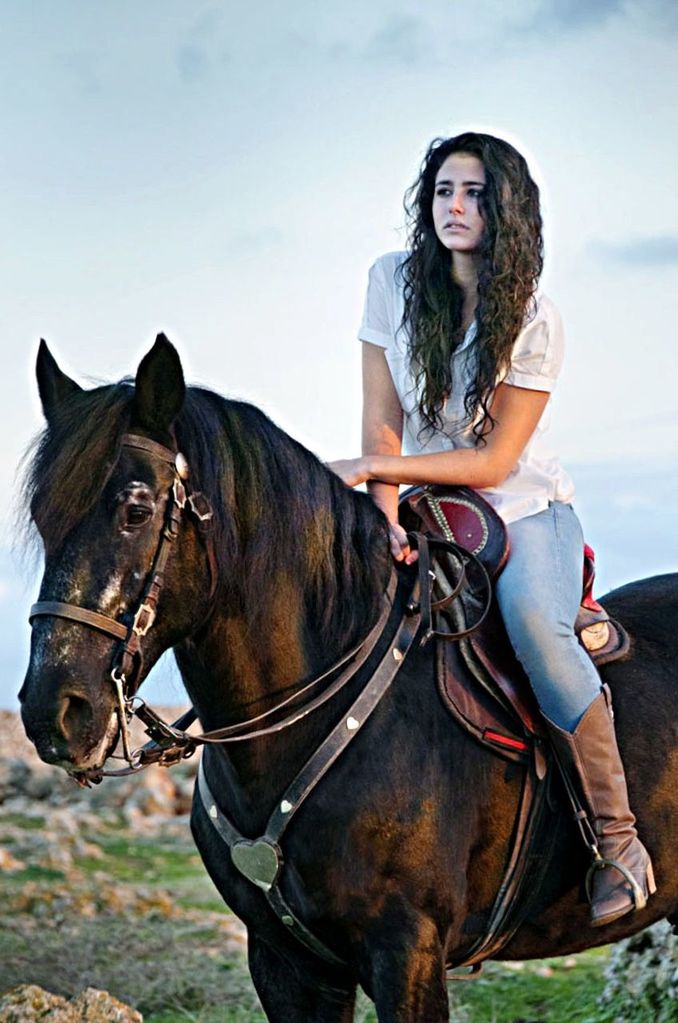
x=258 y=861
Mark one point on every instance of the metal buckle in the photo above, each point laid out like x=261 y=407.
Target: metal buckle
x=179 y=493
x=122 y=708
x=140 y=626
x=196 y=499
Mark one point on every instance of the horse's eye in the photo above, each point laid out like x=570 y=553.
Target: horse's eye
x=136 y=515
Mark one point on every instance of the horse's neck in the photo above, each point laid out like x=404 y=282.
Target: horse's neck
x=233 y=676
x=244 y=664
x=244 y=669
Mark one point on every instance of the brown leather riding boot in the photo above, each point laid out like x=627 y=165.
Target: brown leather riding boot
x=620 y=878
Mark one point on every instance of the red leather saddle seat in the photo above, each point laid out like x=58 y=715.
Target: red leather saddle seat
x=480 y=677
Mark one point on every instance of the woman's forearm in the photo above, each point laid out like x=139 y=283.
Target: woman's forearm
x=385 y=496
x=382 y=429
x=516 y=411
x=471 y=467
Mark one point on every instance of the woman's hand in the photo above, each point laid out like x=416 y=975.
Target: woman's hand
x=352 y=471
x=400 y=545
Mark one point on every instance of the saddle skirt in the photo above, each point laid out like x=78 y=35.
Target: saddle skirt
x=479 y=677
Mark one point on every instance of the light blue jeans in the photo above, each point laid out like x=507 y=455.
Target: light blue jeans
x=539 y=593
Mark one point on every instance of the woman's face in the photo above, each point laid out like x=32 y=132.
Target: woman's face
x=457 y=216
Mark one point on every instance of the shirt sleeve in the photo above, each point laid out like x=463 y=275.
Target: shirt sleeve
x=538 y=351
x=377 y=325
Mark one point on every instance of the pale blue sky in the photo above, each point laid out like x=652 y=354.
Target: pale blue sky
x=227 y=172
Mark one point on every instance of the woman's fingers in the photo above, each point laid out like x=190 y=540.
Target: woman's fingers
x=400 y=545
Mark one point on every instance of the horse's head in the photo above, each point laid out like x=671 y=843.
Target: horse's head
x=120 y=553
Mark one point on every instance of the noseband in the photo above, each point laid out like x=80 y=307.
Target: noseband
x=128 y=660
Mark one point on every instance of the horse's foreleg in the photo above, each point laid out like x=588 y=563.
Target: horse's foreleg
x=290 y=995
x=407 y=981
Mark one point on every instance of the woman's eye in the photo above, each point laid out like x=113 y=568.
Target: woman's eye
x=475 y=193
x=136 y=515
x=443 y=192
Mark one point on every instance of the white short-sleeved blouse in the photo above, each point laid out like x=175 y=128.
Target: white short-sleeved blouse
x=537 y=356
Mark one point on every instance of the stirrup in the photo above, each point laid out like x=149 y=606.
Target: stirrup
x=599 y=863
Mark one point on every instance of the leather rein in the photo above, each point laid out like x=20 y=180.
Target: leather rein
x=171 y=743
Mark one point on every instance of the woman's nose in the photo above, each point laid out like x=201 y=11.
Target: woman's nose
x=456 y=204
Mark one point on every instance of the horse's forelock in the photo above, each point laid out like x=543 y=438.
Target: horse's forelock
x=73 y=459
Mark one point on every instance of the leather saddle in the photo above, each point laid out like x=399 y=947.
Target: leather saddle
x=479 y=676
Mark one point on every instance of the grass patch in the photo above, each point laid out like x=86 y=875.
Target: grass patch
x=234 y=1014
x=154 y=859
x=157 y=965
x=35 y=873
x=151 y=865
x=545 y=991
x=501 y=995
x=24 y=821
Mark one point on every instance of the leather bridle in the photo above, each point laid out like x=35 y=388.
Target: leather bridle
x=128 y=660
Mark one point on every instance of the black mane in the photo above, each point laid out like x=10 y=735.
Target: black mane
x=274 y=502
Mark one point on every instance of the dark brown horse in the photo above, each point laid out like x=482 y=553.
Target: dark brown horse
x=394 y=860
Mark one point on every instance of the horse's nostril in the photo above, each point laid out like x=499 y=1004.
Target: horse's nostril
x=75 y=716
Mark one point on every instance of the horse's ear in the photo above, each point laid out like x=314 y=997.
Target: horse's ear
x=54 y=386
x=159 y=388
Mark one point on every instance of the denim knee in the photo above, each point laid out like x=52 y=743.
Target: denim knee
x=539 y=593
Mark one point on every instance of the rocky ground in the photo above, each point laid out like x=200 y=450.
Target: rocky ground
x=102 y=890
x=28 y=1002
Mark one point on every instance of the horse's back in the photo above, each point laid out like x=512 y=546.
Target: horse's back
x=647 y=607
x=643 y=682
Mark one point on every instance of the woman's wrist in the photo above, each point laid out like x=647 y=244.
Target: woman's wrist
x=373 y=466
x=385 y=496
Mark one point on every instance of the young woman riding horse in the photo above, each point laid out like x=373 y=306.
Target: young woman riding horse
x=460 y=355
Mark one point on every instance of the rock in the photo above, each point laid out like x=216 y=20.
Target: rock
x=48 y=783
x=643 y=969
x=149 y=793
x=22 y=774
x=13 y=775
x=8 y=863
x=95 y=1006
x=154 y=792
x=34 y=780
x=29 y=1003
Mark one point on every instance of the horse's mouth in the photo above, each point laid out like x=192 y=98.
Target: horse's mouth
x=85 y=779
x=83 y=775
x=89 y=769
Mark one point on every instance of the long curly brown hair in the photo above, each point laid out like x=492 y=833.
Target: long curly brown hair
x=511 y=260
